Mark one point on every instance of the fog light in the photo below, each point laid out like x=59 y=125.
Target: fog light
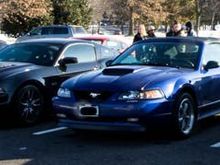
x=132 y=119
x=61 y=115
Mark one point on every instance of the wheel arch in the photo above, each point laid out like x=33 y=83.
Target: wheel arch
x=188 y=89
x=17 y=111
x=179 y=96
x=35 y=83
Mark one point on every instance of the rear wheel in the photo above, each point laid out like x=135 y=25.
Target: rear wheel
x=184 y=115
x=28 y=104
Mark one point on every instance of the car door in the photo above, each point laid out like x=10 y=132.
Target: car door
x=210 y=80
x=87 y=61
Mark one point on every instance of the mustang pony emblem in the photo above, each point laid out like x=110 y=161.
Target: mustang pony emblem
x=94 y=95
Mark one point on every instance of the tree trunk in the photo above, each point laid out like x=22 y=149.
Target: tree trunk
x=213 y=20
x=131 y=22
x=198 y=16
x=122 y=27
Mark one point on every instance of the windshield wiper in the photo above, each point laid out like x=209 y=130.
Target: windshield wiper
x=156 y=64
x=126 y=64
x=164 y=64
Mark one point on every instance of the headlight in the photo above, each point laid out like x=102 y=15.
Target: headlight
x=64 y=92
x=134 y=95
x=130 y=95
x=152 y=94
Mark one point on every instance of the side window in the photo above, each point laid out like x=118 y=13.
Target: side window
x=83 y=52
x=211 y=53
x=113 y=44
x=47 y=31
x=54 y=30
x=60 y=30
x=106 y=52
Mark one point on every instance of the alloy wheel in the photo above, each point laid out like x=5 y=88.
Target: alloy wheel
x=186 y=116
x=29 y=104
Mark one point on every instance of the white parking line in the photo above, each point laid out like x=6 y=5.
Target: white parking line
x=49 y=131
x=216 y=145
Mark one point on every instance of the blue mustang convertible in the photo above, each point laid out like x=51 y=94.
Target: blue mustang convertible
x=175 y=80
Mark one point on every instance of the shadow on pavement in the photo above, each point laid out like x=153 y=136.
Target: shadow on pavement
x=72 y=147
x=7 y=121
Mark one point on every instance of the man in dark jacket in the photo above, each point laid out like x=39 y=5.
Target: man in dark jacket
x=175 y=31
x=189 y=29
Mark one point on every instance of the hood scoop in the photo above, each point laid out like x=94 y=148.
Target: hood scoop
x=117 y=71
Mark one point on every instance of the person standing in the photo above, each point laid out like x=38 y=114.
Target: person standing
x=141 y=34
x=175 y=31
x=189 y=29
x=150 y=32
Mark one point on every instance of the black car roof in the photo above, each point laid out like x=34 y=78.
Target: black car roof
x=55 y=40
x=67 y=25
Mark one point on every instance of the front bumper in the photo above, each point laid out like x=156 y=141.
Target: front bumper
x=109 y=126
x=133 y=116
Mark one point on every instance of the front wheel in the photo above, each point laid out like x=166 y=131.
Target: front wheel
x=28 y=104
x=184 y=115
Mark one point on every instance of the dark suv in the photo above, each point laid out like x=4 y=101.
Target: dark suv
x=53 y=31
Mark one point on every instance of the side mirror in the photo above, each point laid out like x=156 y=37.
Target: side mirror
x=108 y=63
x=211 y=65
x=67 y=60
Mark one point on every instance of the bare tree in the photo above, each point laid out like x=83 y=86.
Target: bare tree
x=139 y=11
x=99 y=8
x=211 y=9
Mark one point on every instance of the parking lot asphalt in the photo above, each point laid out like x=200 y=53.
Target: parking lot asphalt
x=45 y=144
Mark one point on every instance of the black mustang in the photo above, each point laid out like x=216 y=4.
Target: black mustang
x=31 y=72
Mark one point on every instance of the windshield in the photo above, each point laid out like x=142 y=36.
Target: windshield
x=184 y=55
x=37 y=53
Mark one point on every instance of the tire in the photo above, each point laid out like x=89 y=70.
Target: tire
x=28 y=104
x=184 y=115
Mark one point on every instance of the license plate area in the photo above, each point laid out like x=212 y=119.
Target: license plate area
x=88 y=111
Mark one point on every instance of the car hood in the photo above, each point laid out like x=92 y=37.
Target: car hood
x=124 y=78
x=9 y=68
